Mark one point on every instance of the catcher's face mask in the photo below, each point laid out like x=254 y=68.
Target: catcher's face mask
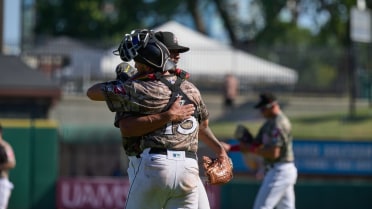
x=142 y=46
x=131 y=43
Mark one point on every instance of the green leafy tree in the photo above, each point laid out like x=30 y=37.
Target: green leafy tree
x=270 y=29
x=274 y=30
x=105 y=20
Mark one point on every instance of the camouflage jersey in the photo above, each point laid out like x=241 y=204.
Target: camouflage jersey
x=131 y=145
x=277 y=132
x=152 y=96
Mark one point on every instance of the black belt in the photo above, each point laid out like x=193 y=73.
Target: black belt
x=137 y=156
x=271 y=165
x=163 y=151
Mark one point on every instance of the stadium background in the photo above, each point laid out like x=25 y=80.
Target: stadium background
x=50 y=154
x=77 y=143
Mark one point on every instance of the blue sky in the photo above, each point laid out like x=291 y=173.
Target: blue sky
x=12 y=22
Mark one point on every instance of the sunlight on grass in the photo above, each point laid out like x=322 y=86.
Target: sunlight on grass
x=324 y=127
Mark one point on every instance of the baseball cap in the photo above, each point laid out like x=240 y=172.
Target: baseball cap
x=170 y=41
x=265 y=99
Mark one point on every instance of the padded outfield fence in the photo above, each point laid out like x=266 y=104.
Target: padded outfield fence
x=36 y=176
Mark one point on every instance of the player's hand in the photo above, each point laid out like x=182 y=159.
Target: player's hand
x=251 y=148
x=180 y=112
x=243 y=147
x=226 y=146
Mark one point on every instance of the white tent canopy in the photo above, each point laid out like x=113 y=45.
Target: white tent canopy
x=213 y=58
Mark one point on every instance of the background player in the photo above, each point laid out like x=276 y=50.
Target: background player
x=274 y=143
x=230 y=91
x=7 y=163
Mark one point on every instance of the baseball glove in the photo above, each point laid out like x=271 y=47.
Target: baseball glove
x=218 y=171
x=243 y=134
x=124 y=71
x=3 y=155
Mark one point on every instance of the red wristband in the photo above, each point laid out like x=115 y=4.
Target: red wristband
x=235 y=148
x=253 y=148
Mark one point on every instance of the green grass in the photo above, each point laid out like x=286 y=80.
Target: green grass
x=337 y=126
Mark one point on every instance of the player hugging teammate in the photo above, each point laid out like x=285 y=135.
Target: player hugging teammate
x=151 y=106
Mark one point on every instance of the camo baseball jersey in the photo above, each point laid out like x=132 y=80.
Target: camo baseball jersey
x=182 y=135
x=277 y=187
x=131 y=145
x=277 y=132
x=152 y=96
x=174 y=175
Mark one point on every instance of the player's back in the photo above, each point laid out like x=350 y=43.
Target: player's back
x=181 y=135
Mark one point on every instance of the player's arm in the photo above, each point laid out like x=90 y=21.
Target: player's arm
x=11 y=162
x=268 y=152
x=123 y=72
x=207 y=136
x=272 y=151
x=95 y=92
x=141 y=125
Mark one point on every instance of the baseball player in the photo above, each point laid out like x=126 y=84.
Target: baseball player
x=230 y=91
x=171 y=148
x=131 y=145
x=274 y=143
x=7 y=163
x=171 y=42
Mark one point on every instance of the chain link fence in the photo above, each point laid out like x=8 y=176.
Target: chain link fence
x=321 y=70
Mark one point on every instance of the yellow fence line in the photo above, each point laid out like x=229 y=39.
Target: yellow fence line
x=24 y=123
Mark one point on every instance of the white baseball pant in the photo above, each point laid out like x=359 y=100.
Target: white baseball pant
x=165 y=181
x=277 y=188
x=134 y=162
x=5 y=190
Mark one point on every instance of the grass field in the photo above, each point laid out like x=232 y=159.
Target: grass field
x=319 y=119
x=311 y=117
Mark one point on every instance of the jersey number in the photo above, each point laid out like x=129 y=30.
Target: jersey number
x=194 y=124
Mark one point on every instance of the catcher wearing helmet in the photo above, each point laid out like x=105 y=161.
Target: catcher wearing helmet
x=156 y=85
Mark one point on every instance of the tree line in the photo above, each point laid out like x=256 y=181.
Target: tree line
x=311 y=36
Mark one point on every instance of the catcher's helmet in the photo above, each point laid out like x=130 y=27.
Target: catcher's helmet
x=142 y=46
x=128 y=47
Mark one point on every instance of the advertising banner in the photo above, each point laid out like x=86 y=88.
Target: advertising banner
x=105 y=193
x=324 y=157
x=333 y=157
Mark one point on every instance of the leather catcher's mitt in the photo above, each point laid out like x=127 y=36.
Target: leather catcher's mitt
x=124 y=71
x=218 y=170
x=243 y=134
x=3 y=155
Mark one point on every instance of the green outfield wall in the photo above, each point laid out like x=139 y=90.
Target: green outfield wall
x=35 y=143
x=310 y=194
x=36 y=146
